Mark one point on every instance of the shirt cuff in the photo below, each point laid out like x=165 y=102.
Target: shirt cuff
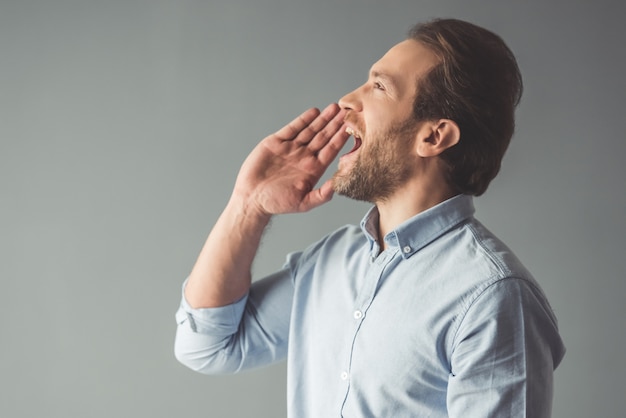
x=221 y=321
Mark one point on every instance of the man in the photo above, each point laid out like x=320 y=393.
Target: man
x=420 y=311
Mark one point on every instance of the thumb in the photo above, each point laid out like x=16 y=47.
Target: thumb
x=319 y=196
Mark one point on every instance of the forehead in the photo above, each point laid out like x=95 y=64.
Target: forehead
x=406 y=61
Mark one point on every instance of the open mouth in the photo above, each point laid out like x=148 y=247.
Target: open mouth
x=357 y=139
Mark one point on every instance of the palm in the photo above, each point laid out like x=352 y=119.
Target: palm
x=280 y=174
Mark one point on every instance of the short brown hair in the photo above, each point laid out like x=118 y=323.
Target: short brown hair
x=477 y=84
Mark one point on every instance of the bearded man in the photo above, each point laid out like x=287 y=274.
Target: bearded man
x=418 y=312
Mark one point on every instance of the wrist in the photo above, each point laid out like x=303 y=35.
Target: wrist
x=247 y=212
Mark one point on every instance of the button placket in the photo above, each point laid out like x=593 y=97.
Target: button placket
x=363 y=299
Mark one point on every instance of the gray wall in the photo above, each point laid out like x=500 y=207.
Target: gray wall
x=122 y=126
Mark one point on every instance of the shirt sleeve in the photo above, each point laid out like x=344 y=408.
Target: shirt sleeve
x=249 y=333
x=504 y=354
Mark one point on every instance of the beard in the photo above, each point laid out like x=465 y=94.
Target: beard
x=382 y=166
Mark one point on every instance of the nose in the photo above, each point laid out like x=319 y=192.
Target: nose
x=351 y=101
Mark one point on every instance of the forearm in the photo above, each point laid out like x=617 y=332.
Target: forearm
x=221 y=274
x=277 y=177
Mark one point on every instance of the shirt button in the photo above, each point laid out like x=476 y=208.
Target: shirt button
x=358 y=314
x=344 y=375
x=406 y=249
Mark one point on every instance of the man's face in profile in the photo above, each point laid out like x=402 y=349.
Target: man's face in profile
x=380 y=120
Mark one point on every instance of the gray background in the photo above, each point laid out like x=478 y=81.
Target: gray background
x=122 y=127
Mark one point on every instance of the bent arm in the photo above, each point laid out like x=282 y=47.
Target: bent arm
x=224 y=324
x=279 y=176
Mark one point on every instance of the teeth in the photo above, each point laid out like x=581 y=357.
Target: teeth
x=350 y=131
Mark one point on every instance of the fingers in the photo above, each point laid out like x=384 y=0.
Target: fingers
x=304 y=128
x=333 y=146
x=318 y=124
x=293 y=128
x=332 y=128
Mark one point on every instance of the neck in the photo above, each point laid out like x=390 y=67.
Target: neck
x=407 y=202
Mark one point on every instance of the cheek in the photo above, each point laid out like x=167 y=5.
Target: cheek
x=380 y=119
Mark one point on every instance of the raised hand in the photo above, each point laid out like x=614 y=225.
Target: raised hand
x=280 y=174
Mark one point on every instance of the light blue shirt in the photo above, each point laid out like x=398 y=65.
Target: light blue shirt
x=446 y=322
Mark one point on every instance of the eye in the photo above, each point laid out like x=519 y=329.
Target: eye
x=378 y=86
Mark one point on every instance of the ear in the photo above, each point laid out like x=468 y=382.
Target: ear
x=434 y=137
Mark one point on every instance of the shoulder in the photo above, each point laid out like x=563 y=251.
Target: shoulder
x=496 y=251
x=488 y=278
x=473 y=252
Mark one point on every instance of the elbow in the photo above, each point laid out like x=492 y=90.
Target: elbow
x=209 y=359
x=191 y=359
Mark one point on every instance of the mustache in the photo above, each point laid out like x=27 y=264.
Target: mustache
x=354 y=121
x=349 y=117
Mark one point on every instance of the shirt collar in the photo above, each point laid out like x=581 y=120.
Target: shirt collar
x=420 y=230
